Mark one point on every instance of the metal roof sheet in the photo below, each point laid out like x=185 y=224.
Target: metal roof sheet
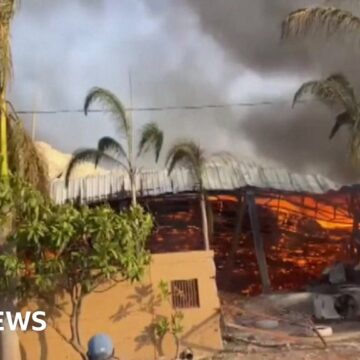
x=216 y=178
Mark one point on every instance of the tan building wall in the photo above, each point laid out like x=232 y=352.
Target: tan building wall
x=126 y=311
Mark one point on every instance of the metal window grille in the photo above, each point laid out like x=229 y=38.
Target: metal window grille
x=185 y=294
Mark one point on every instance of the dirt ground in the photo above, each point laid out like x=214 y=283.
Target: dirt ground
x=243 y=340
x=243 y=349
x=330 y=354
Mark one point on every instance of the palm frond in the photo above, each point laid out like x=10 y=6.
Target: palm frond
x=333 y=91
x=6 y=65
x=318 y=88
x=88 y=155
x=326 y=20
x=79 y=157
x=151 y=139
x=7 y=10
x=306 y=88
x=24 y=158
x=112 y=104
x=110 y=146
x=344 y=83
x=11 y=110
x=186 y=154
x=344 y=89
x=341 y=120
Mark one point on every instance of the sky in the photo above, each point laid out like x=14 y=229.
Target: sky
x=179 y=53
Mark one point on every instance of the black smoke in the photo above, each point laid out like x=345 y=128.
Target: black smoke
x=193 y=53
x=249 y=33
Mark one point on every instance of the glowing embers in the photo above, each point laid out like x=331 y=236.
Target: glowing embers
x=301 y=235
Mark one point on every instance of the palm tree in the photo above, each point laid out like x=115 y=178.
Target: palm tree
x=337 y=93
x=189 y=155
x=110 y=149
x=7 y=10
x=335 y=90
x=18 y=153
x=327 y=20
x=24 y=159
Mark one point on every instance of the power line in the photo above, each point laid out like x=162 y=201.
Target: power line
x=159 y=108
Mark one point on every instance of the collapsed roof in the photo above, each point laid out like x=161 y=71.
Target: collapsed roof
x=217 y=178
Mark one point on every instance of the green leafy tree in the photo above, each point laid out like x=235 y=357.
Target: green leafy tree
x=69 y=250
x=189 y=155
x=337 y=93
x=110 y=149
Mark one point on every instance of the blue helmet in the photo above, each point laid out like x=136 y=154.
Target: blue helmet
x=100 y=347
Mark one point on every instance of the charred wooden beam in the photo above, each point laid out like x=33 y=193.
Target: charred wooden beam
x=258 y=242
x=241 y=208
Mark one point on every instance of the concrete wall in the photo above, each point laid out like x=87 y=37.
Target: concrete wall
x=126 y=311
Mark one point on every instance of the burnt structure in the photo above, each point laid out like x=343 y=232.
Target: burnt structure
x=282 y=241
x=270 y=229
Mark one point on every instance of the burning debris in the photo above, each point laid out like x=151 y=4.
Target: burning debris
x=302 y=235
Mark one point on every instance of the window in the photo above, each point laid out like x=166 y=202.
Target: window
x=185 y=294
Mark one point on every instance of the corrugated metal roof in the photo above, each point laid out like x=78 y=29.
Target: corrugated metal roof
x=216 y=178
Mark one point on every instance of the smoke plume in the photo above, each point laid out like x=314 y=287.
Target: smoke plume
x=182 y=53
x=249 y=33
